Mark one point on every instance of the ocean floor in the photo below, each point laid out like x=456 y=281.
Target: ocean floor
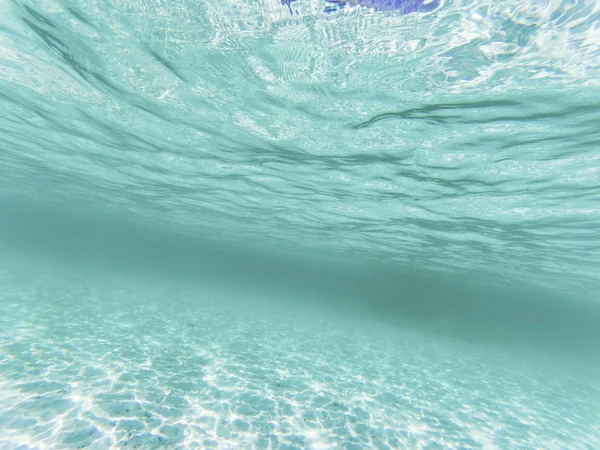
x=90 y=359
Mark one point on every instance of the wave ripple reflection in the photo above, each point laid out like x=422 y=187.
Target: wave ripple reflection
x=461 y=139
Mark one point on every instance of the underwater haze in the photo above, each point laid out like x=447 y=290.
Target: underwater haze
x=299 y=224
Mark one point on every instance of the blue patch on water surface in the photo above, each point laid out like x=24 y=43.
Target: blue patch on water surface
x=403 y=6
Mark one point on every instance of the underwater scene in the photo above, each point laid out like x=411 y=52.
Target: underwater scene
x=299 y=224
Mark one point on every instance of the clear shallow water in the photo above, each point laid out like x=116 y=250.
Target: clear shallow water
x=396 y=213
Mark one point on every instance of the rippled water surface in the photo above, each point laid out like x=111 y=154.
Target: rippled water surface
x=299 y=224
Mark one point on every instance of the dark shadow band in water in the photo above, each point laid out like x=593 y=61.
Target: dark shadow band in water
x=457 y=306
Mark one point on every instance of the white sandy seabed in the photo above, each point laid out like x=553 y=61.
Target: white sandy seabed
x=93 y=360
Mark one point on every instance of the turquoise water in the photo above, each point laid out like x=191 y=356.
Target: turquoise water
x=225 y=225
